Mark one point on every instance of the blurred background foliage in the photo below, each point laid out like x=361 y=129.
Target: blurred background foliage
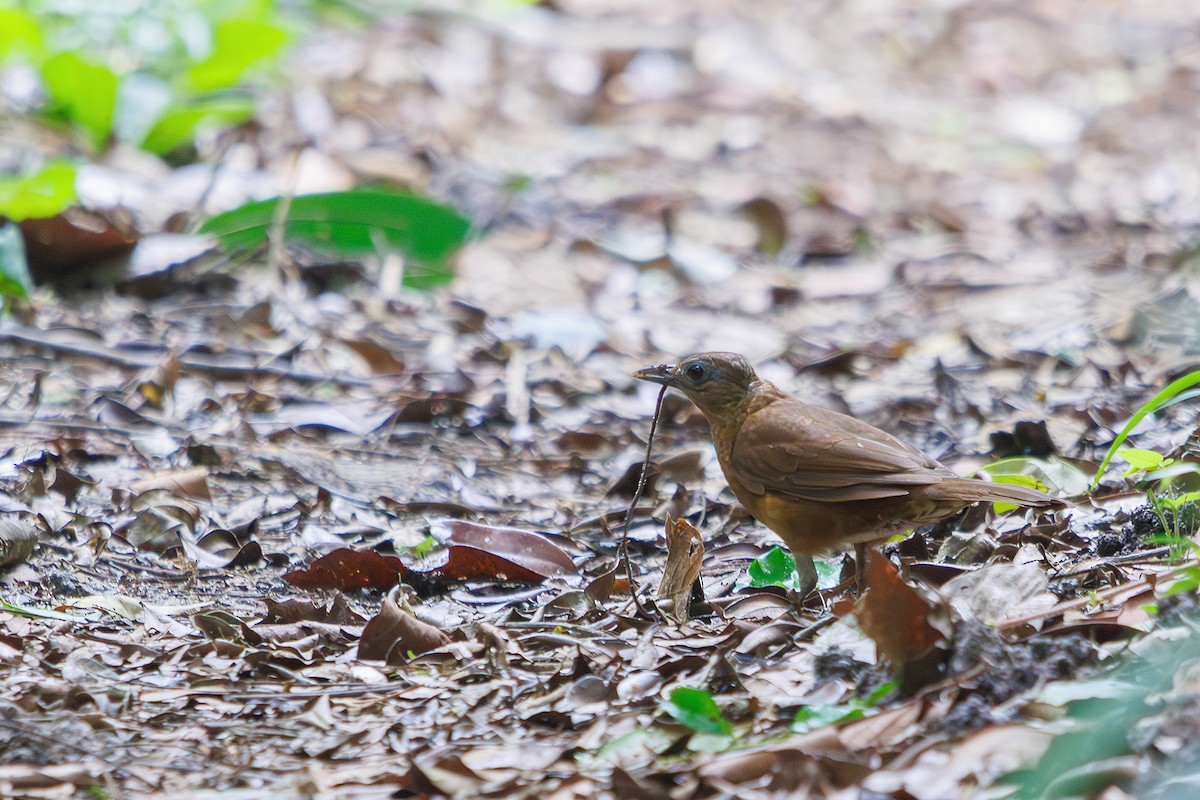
x=149 y=74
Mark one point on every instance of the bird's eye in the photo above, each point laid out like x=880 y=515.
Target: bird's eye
x=695 y=372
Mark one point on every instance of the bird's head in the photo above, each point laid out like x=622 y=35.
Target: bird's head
x=718 y=383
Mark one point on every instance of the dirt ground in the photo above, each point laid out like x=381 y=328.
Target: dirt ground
x=973 y=224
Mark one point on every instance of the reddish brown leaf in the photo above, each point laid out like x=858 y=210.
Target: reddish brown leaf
x=191 y=483
x=72 y=245
x=471 y=564
x=529 y=554
x=476 y=552
x=345 y=569
x=380 y=359
x=895 y=615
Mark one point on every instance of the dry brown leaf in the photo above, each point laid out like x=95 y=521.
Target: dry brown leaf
x=191 y=483
x=395 y=634
x=907 y=626
x=685 y=552
x=18 y=539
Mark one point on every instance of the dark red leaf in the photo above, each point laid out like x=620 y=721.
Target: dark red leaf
x=345 y=569
x=528 y=551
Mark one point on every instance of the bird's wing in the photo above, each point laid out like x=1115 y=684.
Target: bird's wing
x=792 y=448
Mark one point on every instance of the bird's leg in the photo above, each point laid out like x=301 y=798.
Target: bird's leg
x=807 y=571
x=860 y=565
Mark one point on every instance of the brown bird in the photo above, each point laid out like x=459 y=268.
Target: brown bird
x=817 y=478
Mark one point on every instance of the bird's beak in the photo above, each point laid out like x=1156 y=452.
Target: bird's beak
x=658 y=374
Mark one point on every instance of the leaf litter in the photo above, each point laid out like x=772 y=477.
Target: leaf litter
x=907 y=215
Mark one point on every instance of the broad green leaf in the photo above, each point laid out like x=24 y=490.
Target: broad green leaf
x=1058 y=477
x=1170 y=471
x=177 y=126
x=1187 y=582
x=1182 y=500
x=42 y=194
x=238 y=44
x=19 y=33
x=355 y=223
x=776 y=567
x=829 y=572
x=696 y=709
x=1139 y=459
x=14 y=269
x=85 y=92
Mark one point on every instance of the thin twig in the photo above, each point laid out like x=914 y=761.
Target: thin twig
x=623 y=549
x=219 y=367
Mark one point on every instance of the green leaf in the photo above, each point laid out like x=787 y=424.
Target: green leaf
x=1169 y=471
x=1173 y=389
x=818 y=716
x=1139 y=459
x=177 y=126
x=1058 y=477
x=19 y=33
x=238 y=44
x=696 y=709
x=424 y=547
x=876 y=697
x=355 y=223
x=41 y=613
x=809 y=718
x=1188 y=582
x=776 y=567
x=42 y=194
x=829 y=573
x=85 y=92
x=14 y=269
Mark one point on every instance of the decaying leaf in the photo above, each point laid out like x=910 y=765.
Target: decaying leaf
x=533 y=556
x=910 y=628
x=347 y=570
x=1003 y=591
x=685 y=552
x=475 y=552
x=395 y=634
x=337 y=612
x=18 y=539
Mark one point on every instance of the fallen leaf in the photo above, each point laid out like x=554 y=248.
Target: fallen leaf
x=685 y=552
x=907 y=626
x=346 y=570
x=1002 y=591
x=475 y=552
x=530 y=552
x=18 y=539
x=395 y=634
x=338 y=612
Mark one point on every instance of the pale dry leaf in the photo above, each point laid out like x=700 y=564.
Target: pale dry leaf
x=1003 y=591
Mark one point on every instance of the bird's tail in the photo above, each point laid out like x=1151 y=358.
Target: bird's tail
x=976 y=491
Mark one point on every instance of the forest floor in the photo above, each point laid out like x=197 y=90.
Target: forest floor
x=971 y=224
